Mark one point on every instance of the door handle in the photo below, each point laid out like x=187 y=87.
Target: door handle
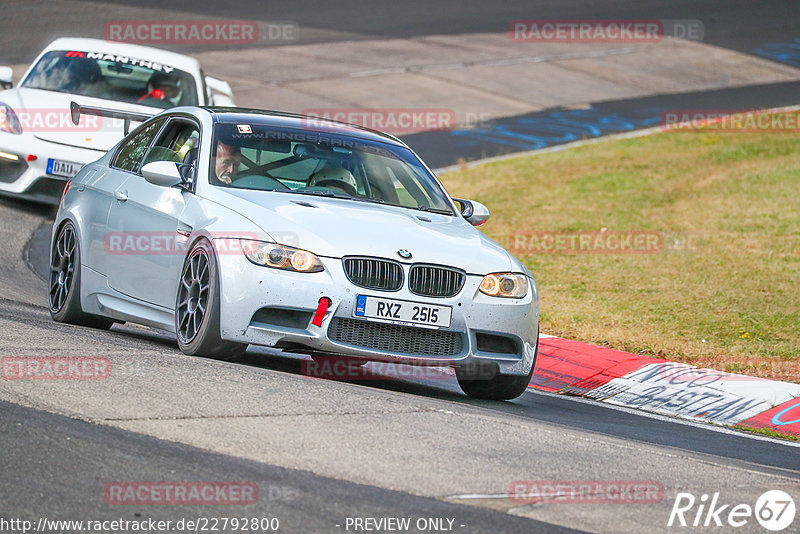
x=122 y=196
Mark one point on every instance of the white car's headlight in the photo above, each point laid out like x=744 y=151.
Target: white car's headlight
x=281 y=257
x=508 y=285
x=8 y=120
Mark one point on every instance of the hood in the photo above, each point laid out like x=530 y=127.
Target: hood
x=337 y=227
x=46 y=115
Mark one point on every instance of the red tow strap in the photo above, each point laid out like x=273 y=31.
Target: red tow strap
x=322 y=309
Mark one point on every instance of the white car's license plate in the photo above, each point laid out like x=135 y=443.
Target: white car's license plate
x=67 y=169
x=403 y=312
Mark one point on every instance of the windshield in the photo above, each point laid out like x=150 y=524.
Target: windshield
x=249 y=156
x=112 y=77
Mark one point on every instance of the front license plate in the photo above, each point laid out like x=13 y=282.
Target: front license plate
x=67 y=169
x=403 y=312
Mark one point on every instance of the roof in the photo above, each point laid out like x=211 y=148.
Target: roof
x=294 y=120
x=165 y=57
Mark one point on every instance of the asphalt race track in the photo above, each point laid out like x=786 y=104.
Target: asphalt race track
x=304 y=502
x=324 y=451
x=737 y=24
x=548 y=128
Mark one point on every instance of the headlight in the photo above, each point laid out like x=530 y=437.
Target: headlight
x=506 y=285
x=281 y=257
x=8 y=120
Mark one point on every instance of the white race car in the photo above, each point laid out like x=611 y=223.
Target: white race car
x=40 y=147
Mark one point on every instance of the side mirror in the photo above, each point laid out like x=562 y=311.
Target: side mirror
x=6 y=77
x=218 y=99
x=473 y=211
x=163 y=173
x=219 y=92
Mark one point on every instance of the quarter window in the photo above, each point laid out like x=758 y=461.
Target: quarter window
x=135 y=146
x=178 y=143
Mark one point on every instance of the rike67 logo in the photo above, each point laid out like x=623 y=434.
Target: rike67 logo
x=774 y=510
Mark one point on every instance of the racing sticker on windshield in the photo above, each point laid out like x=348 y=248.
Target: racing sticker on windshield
x=129 y=61
x=244 y=128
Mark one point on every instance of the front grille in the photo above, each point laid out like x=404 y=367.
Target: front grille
x=372 y=273
x=434 y=281
x=396 y=338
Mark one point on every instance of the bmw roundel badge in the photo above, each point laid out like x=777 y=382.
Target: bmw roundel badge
x=403 y=253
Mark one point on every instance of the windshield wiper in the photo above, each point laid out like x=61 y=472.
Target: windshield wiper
x=370 y=200
x=433 y=210
x=329 y=194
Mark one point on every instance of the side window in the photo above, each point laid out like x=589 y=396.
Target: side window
x=135 y=146
x=179 y=142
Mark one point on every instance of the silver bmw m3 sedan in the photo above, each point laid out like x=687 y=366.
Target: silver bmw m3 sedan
x=232 y=227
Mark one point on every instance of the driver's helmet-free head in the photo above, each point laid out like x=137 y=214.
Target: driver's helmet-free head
x=330 y=174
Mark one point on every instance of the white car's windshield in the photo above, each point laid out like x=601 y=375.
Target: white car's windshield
x=112 y=77
x=249 y=156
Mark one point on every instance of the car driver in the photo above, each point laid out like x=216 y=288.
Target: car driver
x=227 y=160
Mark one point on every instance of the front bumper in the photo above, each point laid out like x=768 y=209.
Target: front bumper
x=270 y=307
x=29 y=179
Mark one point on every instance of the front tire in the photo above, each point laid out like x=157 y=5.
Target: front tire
x=499 y=387
x=64 y=295
x=197 y=309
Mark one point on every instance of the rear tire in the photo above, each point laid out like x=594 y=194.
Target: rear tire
x=64 y=295
x=499 y=387
x=197 y=309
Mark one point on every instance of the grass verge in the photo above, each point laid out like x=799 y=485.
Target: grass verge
x=723 y=289
x=768 y=432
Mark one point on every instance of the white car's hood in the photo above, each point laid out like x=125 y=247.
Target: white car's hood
x=45 y=114
x=337 y=227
